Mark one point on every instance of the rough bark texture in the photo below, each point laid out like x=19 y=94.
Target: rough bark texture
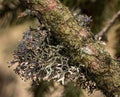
x=81 y=47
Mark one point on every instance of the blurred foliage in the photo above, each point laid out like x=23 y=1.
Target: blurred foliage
x=117 y=47
x=72 y=91
x=9 y=12
x=6 y=80
x=43 y=88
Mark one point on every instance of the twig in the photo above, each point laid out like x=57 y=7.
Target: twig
x=105 y=30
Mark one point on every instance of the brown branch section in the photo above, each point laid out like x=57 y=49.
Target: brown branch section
x=105 y=30
x=80 y=46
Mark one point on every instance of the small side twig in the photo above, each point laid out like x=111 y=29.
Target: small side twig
x=105 y=30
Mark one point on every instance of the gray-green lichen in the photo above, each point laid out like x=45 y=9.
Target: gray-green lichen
x=38 y=58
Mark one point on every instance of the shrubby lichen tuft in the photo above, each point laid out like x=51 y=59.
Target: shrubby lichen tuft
x=83 y=20
x=38 y=59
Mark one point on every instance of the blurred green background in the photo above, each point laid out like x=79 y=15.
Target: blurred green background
x=12 y=28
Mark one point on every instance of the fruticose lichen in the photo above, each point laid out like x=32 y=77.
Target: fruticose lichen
x=38 y=57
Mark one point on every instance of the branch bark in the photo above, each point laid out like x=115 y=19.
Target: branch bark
x=81 y=47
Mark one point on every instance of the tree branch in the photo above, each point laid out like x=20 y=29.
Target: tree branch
x=104 y=31
x=81 y=48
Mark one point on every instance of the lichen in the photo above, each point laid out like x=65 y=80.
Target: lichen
x=38 y=58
